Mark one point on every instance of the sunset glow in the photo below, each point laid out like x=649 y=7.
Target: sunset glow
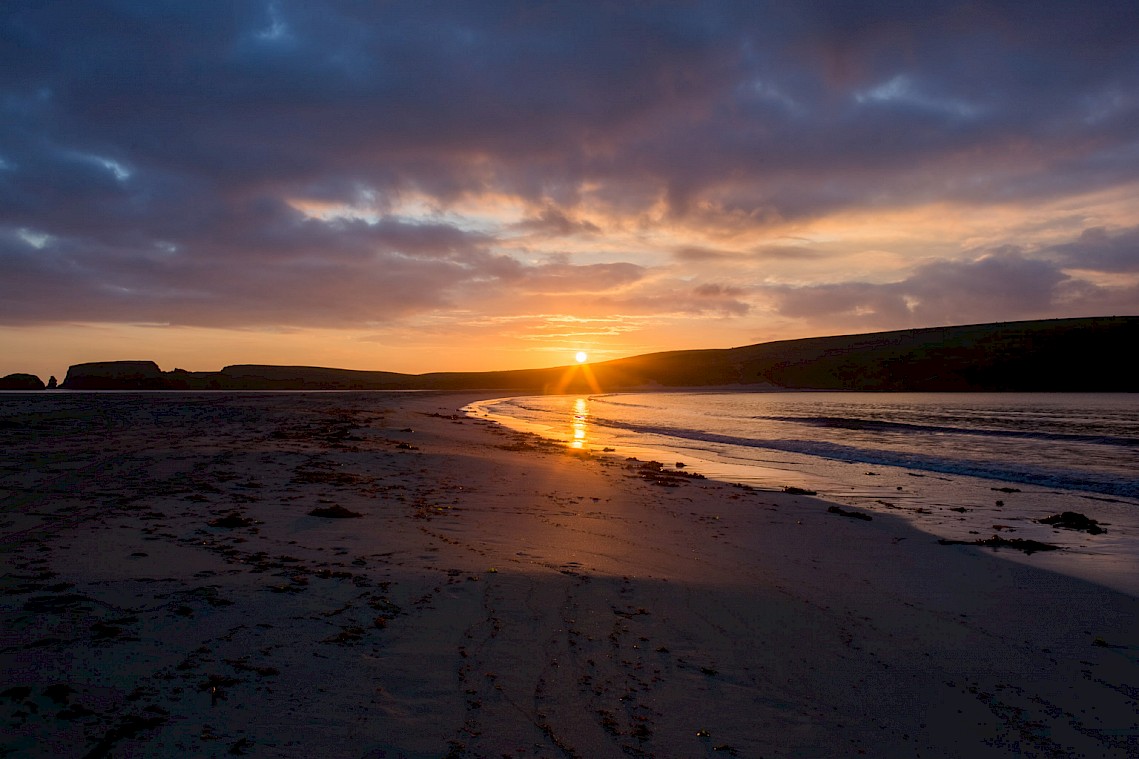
x=581 y=357
x=579 y=425
x=462 y=190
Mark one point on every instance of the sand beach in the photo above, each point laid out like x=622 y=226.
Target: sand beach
x=377 y=575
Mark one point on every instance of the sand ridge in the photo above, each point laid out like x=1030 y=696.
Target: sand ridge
x=168 y=592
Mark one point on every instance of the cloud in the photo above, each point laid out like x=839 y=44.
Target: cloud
x=988 y=288
x=589 y=278
x=717 y=291
x=695 y=253
x=1099 y=250
x=447 y=98
x=671 y=298
x=553 y=222
x=292 y=270
x=262 y=263
x=1001 y=285
x=156 y=152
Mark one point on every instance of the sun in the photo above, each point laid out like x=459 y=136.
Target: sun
x=582 y=357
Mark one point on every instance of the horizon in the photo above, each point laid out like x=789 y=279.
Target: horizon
x=456 y=188
x=579 y=359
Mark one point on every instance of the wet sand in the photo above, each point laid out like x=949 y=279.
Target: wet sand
x=168 y=591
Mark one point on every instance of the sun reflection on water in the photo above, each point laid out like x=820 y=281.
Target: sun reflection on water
x=580 y=420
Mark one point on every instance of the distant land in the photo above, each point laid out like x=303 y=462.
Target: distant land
x=1057 y=355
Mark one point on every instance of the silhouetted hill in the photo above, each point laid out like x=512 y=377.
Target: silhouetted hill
x=115 y=375
x=1060 y=355
x=265 y=377
x=21 y=382
x=1054 y=355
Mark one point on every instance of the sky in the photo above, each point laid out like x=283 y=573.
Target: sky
x=466 y=186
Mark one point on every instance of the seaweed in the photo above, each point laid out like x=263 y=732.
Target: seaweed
x=1020 y=544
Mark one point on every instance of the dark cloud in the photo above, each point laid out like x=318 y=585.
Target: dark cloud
x=860 y=302
x=712 y=290
x=150 y=153
x=708 y=299
x=554 y=222
x=1097 y=249
x=999 y=286
x=987 y=288
x=303 y=273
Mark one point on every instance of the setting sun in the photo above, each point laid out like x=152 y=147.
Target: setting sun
x=582 y=357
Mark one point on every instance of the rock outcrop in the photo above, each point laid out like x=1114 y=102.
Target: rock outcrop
x=1073 y=520
x=21 y=382
x=115 y=375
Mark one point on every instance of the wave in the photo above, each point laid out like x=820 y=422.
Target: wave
x=877 y=425
x=1102 y=483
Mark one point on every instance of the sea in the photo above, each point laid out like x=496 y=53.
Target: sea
x=959 y=466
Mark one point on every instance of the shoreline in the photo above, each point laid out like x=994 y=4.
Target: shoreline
x=168 y=590
x=947 y=506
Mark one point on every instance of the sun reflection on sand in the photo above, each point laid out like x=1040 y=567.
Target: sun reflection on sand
x=580 y=420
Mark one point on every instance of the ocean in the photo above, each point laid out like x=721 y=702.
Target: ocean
x=956 y=465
